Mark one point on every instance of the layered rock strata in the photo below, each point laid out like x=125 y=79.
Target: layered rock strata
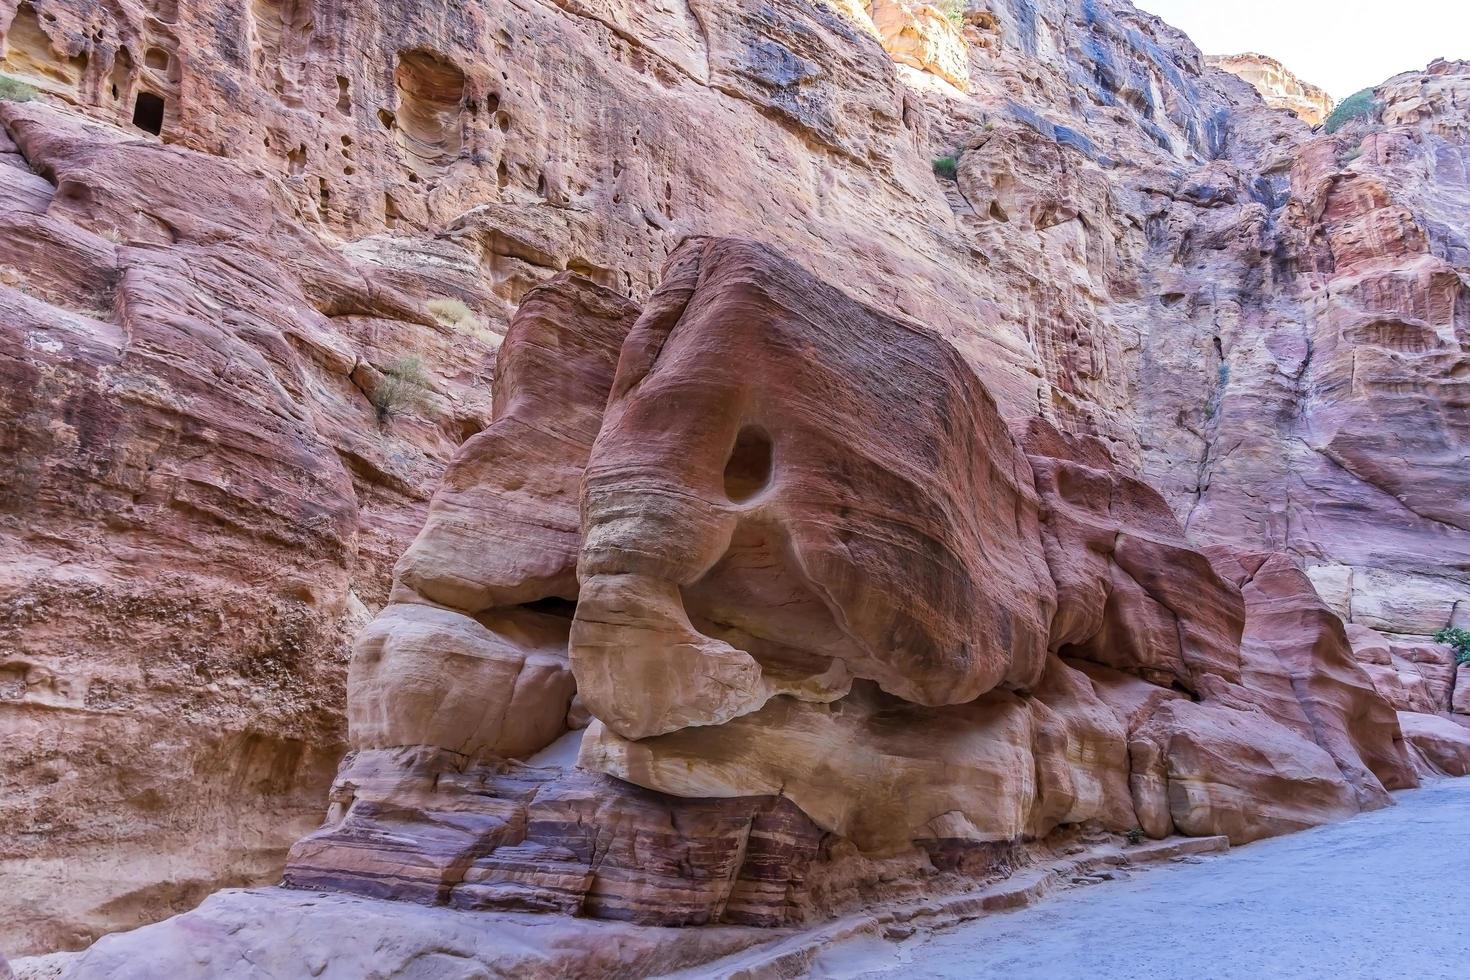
x=204 y=490
x=1278 y=86
x=830 y=621
x=255 y=258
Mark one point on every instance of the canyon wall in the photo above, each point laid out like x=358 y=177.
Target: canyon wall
x=256 y=260
x=1278 y=86
x=830 y=621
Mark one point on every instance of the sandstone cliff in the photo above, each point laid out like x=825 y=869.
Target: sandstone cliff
x=255 y=263
x=1277 y=85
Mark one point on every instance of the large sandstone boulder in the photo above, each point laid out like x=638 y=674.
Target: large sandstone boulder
x=503 y=528
x=1413 y=676
x=734 y=531
x=1202 y=769
x=471 y=656
x=834 y=632
x=883 y=773
x=1131 y=593
x=1341 y=709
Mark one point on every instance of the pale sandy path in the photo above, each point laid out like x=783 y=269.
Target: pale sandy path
x=1383 y=896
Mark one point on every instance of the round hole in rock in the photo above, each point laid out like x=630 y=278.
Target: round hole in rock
x=748 y=470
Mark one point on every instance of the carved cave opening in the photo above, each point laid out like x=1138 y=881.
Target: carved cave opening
x=148 y=112
x=121 y=77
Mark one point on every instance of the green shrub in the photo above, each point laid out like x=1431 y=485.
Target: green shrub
x=1359 y=105
x=1458 y=639
x=954 y=10
x=1135 y=836
x=946 y=167
x=402 y=388
x=15 y=90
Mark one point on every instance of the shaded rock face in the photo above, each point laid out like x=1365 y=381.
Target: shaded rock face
x=254 y=259
x=1278 y=86
x=202 y=498
x=485 y=582
x=765 y=638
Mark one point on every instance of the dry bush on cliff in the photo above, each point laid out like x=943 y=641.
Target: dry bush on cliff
x=954 y=10
x=402 y=389
x=457 y=314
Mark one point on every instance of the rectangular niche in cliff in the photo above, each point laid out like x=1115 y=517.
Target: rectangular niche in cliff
x=148 y=112
x=430 y=98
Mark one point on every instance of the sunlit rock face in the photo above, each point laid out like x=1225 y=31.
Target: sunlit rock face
x=831 y=621
x=1278 y=86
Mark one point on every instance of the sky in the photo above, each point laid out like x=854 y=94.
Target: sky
x=1341 y=45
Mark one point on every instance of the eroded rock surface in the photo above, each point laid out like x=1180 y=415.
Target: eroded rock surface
x=818 y=642
x=1278 y=86
x=254 y=259
x=725 y=511
x=202 y=499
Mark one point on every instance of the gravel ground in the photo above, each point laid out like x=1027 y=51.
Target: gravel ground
x=1382 y=896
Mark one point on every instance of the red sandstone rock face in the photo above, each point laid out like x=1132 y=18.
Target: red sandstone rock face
x=724 y=492
x=195 y=329
x=780 y=701
x=202 y=498
x=1132 y=595
x=420 y=825
x=1412 y=676
x=1442 y=746
x=471 y=653
x=1355 y=333
x=1338 y=705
